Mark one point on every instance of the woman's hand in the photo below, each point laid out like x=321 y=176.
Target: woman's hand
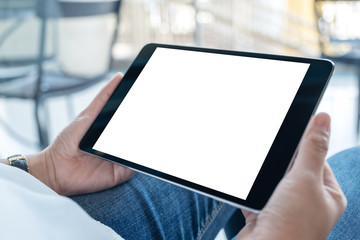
x=308 y=201
x=67 y=170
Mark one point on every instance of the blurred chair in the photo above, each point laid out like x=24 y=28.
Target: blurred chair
x=339 y=34
x=54 y=48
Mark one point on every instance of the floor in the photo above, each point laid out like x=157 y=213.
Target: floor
x=18 y=134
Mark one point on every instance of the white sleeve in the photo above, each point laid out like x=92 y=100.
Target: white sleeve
x=31 y=210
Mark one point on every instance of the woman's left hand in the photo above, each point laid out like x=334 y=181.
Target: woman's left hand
x=67 y=170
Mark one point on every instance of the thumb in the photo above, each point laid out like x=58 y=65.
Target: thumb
x=82 y=122
x=99 y=101
x=314 y=144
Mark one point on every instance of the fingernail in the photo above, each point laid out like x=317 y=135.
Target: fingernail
x=322 y=122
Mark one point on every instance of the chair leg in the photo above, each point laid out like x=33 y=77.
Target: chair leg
x=41 y=123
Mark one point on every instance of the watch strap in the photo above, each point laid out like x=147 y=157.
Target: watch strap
x=18 y=161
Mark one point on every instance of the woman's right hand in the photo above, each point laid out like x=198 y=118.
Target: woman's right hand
x=308 y=201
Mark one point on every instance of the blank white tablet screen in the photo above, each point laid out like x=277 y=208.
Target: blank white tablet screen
x=206 y=118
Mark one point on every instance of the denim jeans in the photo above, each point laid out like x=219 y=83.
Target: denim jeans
x=148 y=208
x=346 y=167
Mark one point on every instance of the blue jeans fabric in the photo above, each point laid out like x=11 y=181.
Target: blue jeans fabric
x=346 y=167
x=148 y=208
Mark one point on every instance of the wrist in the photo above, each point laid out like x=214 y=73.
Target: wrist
x=4 y=161
x=38 y=167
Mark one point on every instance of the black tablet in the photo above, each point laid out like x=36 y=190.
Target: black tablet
x=222 y=123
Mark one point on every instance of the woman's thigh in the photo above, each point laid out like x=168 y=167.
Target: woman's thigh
x=346 y=167
x=148 y=208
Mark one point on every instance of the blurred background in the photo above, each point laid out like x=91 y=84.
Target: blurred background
x=56 y=55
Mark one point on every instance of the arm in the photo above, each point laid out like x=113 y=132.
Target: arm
x=308 y=201
x=67 y=170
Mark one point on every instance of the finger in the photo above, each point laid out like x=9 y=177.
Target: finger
x=333 y=188
x=314 y=145
x=80 y=125
x=249 y=216
x=329 y=179
x=99 y=101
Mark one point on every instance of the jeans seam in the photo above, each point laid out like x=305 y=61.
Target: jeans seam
x=209 y=220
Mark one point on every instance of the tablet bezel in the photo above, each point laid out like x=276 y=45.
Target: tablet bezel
x=281 y=152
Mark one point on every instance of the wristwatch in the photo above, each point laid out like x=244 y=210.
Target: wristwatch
x=18 y=161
